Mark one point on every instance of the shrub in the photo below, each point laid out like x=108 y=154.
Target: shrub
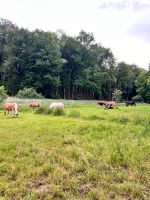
x=23 y=108
x=43 y=110
x=58 y=112
x=48 y=111
x=3 y=93
x=29 y=93
x=137 y=98
x=117 y=95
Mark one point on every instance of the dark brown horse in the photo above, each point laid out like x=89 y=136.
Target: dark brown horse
x=101 y=103
x=130 y=103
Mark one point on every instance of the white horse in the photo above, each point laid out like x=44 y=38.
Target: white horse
x=57 y=106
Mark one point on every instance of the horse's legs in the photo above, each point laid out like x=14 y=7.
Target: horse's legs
x=5 y=113
x=13 y=113
x=8 y=114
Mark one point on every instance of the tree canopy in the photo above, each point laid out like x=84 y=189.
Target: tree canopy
x=60 y=66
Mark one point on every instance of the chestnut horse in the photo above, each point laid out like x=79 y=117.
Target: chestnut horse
x=101 y=103
x=110 y=104
x=34 y=104
x=107 y=104
x=11 y=107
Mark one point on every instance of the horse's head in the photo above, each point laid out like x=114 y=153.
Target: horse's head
x=16 y=113
x=15 y=110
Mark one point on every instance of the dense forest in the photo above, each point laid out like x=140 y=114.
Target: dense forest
x=61 y=66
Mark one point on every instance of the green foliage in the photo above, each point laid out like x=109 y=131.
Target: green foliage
x=58 y=112
x=3 y=93
x=117 y=95
x=138 y=98
x=60 y=66
x=126 y=76
x=29 y=93
x=23 y=108
x=43 y=110
x=48 y=111
x=143 y=85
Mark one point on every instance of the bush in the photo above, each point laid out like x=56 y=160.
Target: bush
x=43 y=110
x=117 y=95
x=138 y=98
x=48 y=111
x=23 y=108
x=3 y=93
x=58 y=112
x=29 y=93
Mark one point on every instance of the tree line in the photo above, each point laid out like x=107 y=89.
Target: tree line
x=61 y=66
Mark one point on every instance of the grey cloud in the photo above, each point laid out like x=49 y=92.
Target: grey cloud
x=135 y=5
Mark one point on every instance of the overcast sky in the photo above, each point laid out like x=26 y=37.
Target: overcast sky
x=121 y=25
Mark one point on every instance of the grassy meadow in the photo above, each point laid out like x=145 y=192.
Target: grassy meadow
x=89 y=153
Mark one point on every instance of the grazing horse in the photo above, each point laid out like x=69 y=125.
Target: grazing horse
x=34 y=104
x=130 y=103
x=11 y=107
x=57 y=106
x=107 y=104
x=110 y=104
x=101 y=103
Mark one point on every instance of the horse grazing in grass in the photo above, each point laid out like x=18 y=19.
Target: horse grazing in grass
x=107 y=104
x=110 y=104
x=130 y=103
x=11 y=107
x=57 y=106
x=101 y=103
x=34 y=104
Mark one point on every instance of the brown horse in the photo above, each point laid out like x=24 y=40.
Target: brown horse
x=34 y=104
x=11 y=107
x=101 y=103
x=107 y=104
x=110 y=104
x=130 y=103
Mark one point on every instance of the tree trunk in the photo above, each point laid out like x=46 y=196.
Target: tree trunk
x=93 y=95
x=69 y=77
x=109 y=91
x=64 y=93
x=72 y=92
x=100 y=95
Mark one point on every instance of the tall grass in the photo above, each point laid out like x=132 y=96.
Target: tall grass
x=89 y=153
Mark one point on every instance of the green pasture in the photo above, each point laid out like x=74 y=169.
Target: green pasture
x=87 y=153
